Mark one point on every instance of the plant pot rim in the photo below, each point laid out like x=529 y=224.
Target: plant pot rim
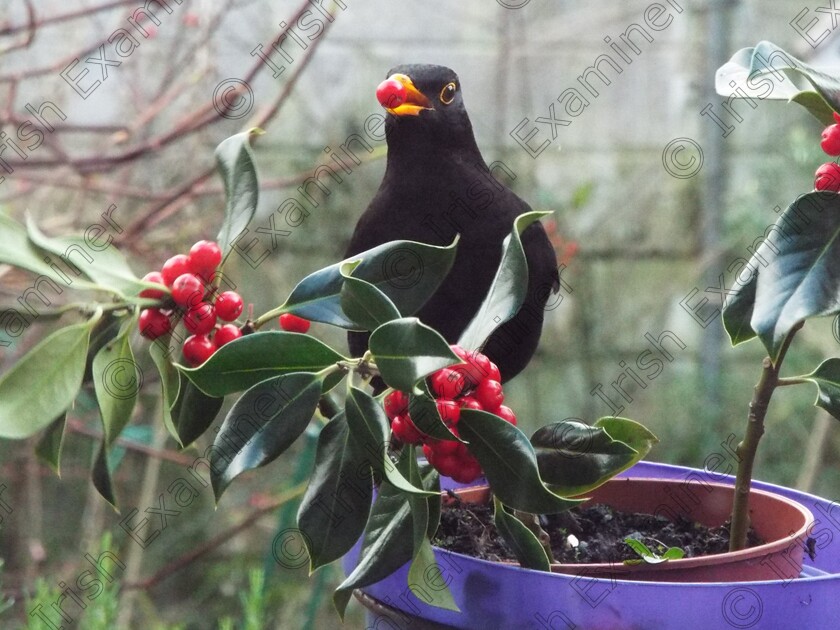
x=659 y=572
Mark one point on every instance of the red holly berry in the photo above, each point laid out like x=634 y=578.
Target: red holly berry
x=176 y=266
x=187 y=290
x=190 y=20
x=205 y=257
x=489 y=394
x=449 y=411
x=293 y=323
x=831 y=140
x=391 y=93
x=493 y=372
x=405 y=430
x=197 y=349
x=468 y=472
x=395 y=403
x=506 y=413
x=229 y=306
x=155 y=294
x=200 y=319
x=226 y=334
x=470 y=402
x=447 y=383
x=828 y=177
x=153 y=323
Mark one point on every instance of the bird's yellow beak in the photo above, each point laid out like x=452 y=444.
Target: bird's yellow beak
x=415 y=100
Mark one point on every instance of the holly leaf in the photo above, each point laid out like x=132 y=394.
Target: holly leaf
x=769 y=70
x=51 y=444
x=406 y=350
x=801 y=269
x=93 y=256
x=43 y=384
x=575 y=458
x=235 y=162
x=369 y=430
x=523 y=542
x=508 y=290
x=251 y=359
x=827 y=379
x=407 y=273
x=261 y=425
x=170 y=382
x=363 y=303
x=193 y=412
x=116 y=381
x=509 y=463
x=19 y=251
x=738 y=311
x=337 y=502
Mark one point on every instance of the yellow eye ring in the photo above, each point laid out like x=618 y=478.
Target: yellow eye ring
x=447 y=94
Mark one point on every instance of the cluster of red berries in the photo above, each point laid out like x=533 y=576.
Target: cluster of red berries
x=828 y=175
x=473 y=384
x=195 y=301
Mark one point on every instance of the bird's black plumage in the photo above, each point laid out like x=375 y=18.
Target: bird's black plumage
x=436 y=185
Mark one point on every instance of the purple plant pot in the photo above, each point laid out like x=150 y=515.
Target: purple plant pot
x=494 y=595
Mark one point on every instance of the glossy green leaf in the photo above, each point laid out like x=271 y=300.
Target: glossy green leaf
x=575 y=458
x=93 y=255
x=406 y=350
x=19 y=251
x=769 y=70
x=43 y=384
x=101 y=477
x=387 y=544
x=522 y=541
x=235 y=161
x=738 y=311
x=104 y=331
x=337 y=502
x=408 y=273
x=194 y=412
x=251 y=359
x=424 y=567
x=388 y=538
x=263 y=423
x=369 y=430
x=363 y=303
x=801 y=270
x=827 y=379
x=116 y=380
x=170 y=382
x=508 y=290
x=509 y=463
x=51 y=443
x=424 y=413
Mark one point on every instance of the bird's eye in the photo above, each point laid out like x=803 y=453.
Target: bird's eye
x=447 y=94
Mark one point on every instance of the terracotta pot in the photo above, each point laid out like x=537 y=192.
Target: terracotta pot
x=781 y=522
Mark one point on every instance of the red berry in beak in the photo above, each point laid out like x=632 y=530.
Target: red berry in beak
x=391 y=93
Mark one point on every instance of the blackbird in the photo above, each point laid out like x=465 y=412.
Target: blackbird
x=437 y=185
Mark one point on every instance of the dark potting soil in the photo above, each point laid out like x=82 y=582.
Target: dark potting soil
x=468 y=528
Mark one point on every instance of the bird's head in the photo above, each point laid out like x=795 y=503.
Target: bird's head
x=425 y=106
